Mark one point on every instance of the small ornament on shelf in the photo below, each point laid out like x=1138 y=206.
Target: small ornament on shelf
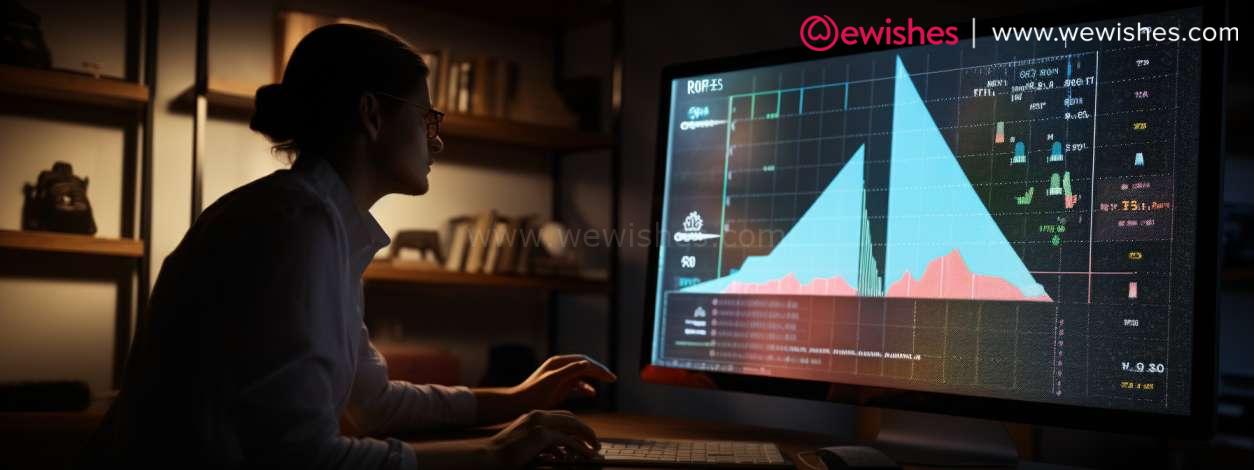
x=58 y=202
x=425 y=243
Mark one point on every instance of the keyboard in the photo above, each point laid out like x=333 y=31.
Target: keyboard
x=685 y=453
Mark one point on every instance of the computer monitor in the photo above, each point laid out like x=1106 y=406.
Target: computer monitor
x=1017 y=230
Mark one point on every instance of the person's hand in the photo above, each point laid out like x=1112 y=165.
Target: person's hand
x=556 y=432
x=560 y=378
x=532 y=435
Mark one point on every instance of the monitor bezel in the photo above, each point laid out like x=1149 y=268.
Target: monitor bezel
x=1201 y=419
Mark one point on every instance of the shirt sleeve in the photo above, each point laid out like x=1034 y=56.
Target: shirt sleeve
x=288 y=346
x=379 y=406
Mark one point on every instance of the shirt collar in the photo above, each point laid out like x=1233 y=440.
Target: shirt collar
x=365 y=236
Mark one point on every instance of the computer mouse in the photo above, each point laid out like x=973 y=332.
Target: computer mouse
x=855 y=457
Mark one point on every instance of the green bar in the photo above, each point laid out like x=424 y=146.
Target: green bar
x=695 y=343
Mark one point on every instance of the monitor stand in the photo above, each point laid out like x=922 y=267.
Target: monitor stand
x=931 y=439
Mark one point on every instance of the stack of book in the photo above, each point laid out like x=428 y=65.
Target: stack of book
x=488 y=243
x=481 y=86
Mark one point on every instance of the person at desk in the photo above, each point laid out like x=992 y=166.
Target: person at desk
x=255 y=346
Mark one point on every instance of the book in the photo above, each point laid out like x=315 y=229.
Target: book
x=453 y=77
x=440 y=94
x=459 y=238
x=483 y=86
x=530 y=235
x=480 y=237
x=495 y=245
x=459 y=90
x=465 y=82
x=513 y=243
x=506 y=87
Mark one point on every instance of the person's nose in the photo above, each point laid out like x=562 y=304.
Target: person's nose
x=436 y=145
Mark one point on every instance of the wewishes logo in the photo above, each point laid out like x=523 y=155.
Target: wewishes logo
x=820 y=32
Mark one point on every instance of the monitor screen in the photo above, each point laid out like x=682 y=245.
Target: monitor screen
x=1012 y=220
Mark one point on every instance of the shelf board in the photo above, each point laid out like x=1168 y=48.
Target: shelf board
x=72 y=87
x=234 y=100
x=524 y=134
x=231 y=96
x=385 y=271
x=71 y=243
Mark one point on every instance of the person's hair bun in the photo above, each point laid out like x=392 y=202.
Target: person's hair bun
x=323 y=81
x=273 y=115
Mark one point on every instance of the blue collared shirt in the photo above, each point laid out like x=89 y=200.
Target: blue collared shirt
x=254 y=345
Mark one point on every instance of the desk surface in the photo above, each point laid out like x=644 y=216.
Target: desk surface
x=626 y=426
x=789 y=442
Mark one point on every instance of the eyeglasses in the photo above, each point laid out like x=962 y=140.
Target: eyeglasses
x=430 y=116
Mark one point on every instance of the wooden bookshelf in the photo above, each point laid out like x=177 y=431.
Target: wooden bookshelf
x=71 y=87
x=232 y=99
x=71 y=243
x=385 y=271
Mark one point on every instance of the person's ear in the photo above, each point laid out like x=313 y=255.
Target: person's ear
x=370 y=115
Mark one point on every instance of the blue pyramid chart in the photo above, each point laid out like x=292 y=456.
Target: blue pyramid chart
x=934 y=212
x=941 y=241
x=824 y=243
